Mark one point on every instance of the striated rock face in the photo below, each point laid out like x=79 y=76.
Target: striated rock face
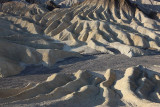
x=98 y=24
x=153 y=5
x=138 y=87
x=22 y=41
x=107 y=26
x=33 y=35
x=149 y=7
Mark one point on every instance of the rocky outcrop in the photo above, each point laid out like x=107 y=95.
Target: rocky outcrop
x=14 y=57
x=22 y=41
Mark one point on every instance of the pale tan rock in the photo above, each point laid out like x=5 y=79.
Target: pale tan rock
x=129 y=51
x=79 y=26
x=139 y=41
x=9 y=67
x=13 y=56
x=110 y=76
x=87 y=88
x=30 y=36
x=128 y=86
x=50 y=57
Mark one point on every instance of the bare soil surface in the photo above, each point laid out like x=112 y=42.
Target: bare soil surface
x=100 y=62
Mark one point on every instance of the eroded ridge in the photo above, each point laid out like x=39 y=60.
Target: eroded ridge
x=107 y=26
x=138 y=86
x=22 y=41
x=103 y=25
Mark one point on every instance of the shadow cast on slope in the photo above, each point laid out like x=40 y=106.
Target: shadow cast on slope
x=40 y=69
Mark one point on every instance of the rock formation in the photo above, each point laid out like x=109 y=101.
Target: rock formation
x=15 y=56
x=136 y=87
x=31 y=34
x=148 y=4
x=22 y=41
x=107 y=26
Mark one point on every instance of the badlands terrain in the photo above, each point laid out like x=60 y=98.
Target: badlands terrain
x=80 y=53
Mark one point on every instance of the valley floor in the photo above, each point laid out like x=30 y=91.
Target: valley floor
x=98 y=63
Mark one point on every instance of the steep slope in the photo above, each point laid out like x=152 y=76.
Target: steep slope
x=149 y=4
x=132 y=88
x=22 y=41
x=105 y=25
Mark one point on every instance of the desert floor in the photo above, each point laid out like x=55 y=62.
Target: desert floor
x=98 y=63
